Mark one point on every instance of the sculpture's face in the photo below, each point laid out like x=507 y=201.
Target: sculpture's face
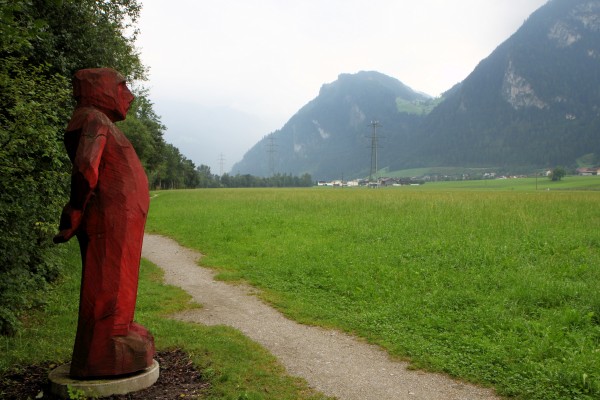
x=103 y=88
x=125 y=98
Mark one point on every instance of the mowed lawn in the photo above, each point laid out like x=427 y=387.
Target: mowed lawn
x=498 y=287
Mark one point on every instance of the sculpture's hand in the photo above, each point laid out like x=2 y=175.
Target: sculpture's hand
x=69 y=223
x=63 y=236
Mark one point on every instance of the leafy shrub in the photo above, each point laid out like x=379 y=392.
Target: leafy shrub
x=33 y=180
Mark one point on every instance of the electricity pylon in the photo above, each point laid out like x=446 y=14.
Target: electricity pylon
x=374 y=146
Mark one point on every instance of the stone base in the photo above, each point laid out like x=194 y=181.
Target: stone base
x=60 y=382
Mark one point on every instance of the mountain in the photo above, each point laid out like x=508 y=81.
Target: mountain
x=329 y=137
x=534 y=102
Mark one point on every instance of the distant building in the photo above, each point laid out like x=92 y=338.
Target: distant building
x=588 y=171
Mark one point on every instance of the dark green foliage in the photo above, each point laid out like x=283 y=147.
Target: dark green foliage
x=179 y=172
x=33 y=181
x=87 y=34
x=557 y=174
x=206 y=179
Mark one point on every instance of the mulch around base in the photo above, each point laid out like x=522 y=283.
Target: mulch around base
x=178 y=379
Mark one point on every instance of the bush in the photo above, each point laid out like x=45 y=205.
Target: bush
x=34 y=177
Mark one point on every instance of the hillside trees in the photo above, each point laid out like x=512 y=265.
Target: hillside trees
x=179 y=172
x=277 y=180
x=206 y=179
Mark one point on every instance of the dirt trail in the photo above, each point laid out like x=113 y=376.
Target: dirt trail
x=330 y=361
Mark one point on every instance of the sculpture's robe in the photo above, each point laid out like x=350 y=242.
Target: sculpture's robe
x=110 y=189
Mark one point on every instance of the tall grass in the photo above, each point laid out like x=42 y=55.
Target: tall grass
x=495 y=287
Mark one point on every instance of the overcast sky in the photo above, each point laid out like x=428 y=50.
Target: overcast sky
x=225 y=73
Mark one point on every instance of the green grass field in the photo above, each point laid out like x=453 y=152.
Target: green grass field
x=490 y=281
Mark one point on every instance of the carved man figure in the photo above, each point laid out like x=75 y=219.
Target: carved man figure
x=107 y=212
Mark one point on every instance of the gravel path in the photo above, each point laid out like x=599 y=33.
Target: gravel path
x=332 y=362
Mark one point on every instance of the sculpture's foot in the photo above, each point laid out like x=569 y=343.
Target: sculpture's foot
x=134 y=352
x=122 y=355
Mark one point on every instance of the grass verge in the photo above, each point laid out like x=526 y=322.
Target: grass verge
x=236 y=367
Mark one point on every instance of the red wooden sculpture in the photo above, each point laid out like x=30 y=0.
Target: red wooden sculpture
x=107 y=212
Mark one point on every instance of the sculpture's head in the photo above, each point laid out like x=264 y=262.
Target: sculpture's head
x=103 y=88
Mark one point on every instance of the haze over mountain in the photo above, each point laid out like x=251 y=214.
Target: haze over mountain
x=533 y=103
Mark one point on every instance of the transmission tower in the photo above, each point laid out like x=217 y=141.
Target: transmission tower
x=221 y=162
x=374 y=147
x=271 y=149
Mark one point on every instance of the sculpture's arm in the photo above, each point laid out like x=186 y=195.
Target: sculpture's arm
x=84 y=180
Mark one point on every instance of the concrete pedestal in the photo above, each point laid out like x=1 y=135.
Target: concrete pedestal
x=60 y=382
